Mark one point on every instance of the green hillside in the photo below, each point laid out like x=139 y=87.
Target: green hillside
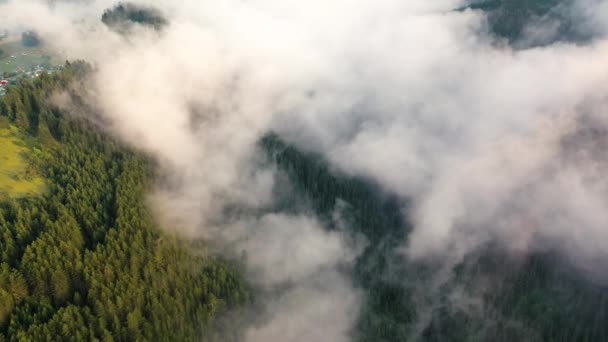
x=18 y=177
x=538 y=299
x=83 y=260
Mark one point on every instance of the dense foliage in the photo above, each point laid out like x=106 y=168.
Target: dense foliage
x=547 y=20
x=124 y=15
x=30 y=38
x=85 y=261
x=488 y=297
x=388 y=308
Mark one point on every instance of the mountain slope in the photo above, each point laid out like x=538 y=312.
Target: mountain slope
x=491 y=295
x=86 y=261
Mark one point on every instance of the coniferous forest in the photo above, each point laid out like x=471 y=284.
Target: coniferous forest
x=84 y=260
x=539 y=298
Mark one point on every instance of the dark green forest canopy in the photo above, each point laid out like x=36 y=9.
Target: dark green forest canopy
x=509 y=19
x=86 y=261
x=30 y=38
x=539 y=298
x=123 y=16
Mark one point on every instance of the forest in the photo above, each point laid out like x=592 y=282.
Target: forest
x=84 y=260
x=123 y=16
x=539 y=298
x=509 y=20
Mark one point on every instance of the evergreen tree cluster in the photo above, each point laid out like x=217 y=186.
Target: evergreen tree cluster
x=123 y=16
x=551 y=20
x=30 y=39
x=489 y=296
x=85 y=261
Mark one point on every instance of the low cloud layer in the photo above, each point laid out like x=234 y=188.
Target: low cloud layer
x=490 y=143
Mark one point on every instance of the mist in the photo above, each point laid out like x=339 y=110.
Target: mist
x=490 y=142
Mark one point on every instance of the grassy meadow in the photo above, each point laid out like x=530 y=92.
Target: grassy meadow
x=17 y=177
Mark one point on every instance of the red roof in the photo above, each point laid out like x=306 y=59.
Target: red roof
x=3 y=82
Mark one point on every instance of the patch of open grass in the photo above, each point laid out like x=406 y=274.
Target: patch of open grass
x=18 y=178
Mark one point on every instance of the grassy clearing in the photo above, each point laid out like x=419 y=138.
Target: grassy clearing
x=17 y=177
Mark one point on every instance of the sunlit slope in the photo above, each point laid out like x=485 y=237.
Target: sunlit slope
x=17 y=177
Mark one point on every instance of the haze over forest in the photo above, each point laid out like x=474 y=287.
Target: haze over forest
x=275 y=170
